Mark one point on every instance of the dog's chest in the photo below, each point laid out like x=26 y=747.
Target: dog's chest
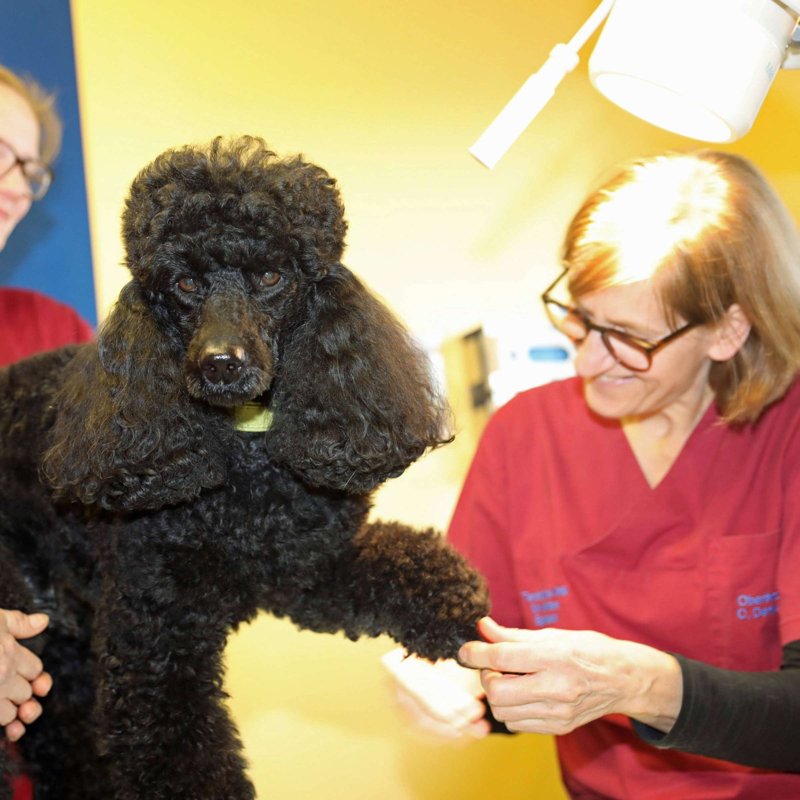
x=261 y=529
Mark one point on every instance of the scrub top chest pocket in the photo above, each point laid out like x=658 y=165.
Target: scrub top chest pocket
x=744 y=600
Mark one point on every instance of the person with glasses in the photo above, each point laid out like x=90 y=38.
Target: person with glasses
x=639 y=524
x=30 y=135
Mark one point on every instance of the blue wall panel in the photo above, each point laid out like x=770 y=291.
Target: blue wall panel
x=50 y=249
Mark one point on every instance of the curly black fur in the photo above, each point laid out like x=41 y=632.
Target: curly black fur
x=147 y=526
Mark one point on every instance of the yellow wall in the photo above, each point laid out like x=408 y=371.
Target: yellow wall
x=387 y=96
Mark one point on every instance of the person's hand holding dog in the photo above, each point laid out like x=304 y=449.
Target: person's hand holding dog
x=22 y=675
x=553 y=681
x=538 y=681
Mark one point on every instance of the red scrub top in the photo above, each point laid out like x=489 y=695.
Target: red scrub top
x=31 y=322
x=559 y=517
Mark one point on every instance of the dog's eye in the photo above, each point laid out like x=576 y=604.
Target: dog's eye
x=187 y=285
x=269 y=279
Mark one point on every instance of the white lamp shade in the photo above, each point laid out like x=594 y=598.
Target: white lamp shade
x=700 y=68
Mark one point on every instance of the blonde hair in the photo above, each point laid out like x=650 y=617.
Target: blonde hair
x=42 y=104
x=709 y=231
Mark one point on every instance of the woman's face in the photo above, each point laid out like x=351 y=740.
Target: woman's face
x=19 y=129
x=678 y=376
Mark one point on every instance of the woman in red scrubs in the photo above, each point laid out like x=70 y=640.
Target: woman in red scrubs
x=639 y=525
x=30 y=133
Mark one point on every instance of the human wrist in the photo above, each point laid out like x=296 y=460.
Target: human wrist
x=655 y=687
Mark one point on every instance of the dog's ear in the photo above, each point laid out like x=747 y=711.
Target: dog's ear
x=354 y=399
x=127 y=436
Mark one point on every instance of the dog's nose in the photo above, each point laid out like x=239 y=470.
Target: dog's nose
x=222 y=367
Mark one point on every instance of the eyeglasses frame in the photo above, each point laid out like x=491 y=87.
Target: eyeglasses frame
x=21 y=162
x=647 y=348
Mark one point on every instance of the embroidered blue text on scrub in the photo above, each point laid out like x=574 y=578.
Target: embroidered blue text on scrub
x=545 y=604
x=759 y=606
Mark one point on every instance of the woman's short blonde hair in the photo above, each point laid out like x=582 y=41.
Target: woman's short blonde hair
x=42 y=104
x=709 y=231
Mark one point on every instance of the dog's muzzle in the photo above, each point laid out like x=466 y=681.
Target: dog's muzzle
x=222 y=367
x=228 y=373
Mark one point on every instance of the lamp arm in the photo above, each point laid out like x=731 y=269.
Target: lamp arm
x=535 y=93
x=792 y=60
x=593 y=23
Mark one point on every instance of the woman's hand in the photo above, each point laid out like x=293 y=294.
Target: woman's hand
x=441 y=698
x=553 y=681
x=22 y=676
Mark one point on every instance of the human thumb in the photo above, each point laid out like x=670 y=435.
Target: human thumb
x=493 y=632
x=23 y=626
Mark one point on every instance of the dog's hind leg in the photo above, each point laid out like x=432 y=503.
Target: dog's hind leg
x=164 y=728
x=14 y=594
x=6 y=768
x=60 y=747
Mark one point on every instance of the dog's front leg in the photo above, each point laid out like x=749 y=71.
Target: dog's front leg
x=392 y=579
x=417 y=588
x=163 y=727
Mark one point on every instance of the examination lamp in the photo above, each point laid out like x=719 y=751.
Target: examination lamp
x=700 y=68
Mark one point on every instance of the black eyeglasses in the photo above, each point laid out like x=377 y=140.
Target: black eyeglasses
x=632 y=352
x=37 y=174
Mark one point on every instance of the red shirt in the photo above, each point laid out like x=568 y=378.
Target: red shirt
x=558 y=516
x=31 y=322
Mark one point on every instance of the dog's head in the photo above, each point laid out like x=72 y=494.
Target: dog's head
x=225 y=242
x=238 y=294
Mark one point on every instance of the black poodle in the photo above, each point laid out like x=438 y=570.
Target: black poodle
x=213 y=455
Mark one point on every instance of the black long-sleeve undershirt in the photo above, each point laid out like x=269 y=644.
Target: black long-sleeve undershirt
x=748 y=718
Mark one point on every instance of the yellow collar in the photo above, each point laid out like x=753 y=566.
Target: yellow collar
x=252 y=418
